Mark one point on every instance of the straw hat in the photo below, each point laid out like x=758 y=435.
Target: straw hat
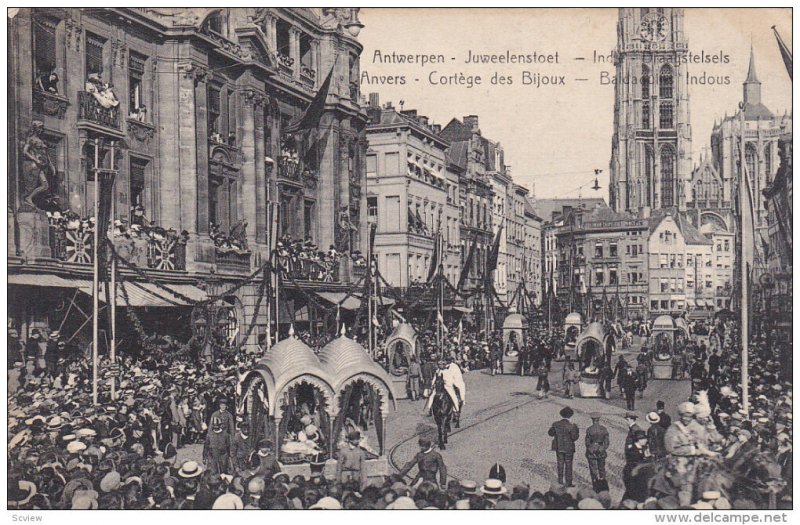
x=228 y=501
x=190 y=469
x=493 y=487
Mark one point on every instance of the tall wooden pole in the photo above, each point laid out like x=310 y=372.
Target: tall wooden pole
x=113 y=306
x=744 y=302
x=95 y=271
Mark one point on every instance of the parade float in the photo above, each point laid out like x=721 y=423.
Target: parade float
x=663 y=341
x=514 y=327
x=303 y=404
x=591 y=348
x=573 y=324
x=401 y=346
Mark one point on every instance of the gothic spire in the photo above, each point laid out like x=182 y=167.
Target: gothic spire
x=751 y=70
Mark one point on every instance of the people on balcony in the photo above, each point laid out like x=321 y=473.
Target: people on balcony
x=47 y=81
x=138 y=114
x=102 y=92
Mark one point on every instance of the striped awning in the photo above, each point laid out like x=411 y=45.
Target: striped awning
x=142 y=295
x=45 y=280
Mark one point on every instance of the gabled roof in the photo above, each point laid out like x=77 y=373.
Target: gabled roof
x=545 y=207
x=457 y=154
x=456 y=130
x=691 y=235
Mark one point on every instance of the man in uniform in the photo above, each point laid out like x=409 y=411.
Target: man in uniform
x=628 y=385
x=597 y=441
x=217 y=448
x=225 y=417
x=429 y=462
x=564 y=433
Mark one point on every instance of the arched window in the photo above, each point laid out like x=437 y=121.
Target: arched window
x=667 y=176
x=645 y=114
x=645 y=82
x=665 y=82
x=751 y=160
x=666 y=118
x=648 y=174
x=768 y=163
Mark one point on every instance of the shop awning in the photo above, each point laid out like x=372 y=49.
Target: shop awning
x=46 y=280
x=141 y=295
x=351 y=303
x=690 y=302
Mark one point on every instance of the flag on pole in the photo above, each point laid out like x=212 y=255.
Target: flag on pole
x=460 y=330
x=491 y=262
x=436 y=259
x=310 y=118
x=468 y=263
x=440 y=320
x=786 y=53
x=748 y=218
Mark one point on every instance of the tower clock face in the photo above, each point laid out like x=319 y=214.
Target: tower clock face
x=654 y=27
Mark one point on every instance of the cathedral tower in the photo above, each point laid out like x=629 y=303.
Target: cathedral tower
x=651 y=146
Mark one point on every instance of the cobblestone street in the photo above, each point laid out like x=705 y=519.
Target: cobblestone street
x=503 y=421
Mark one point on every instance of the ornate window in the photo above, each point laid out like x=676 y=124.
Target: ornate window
x=44 y=52
x=94 y=54
x=136 y=104
x=751 y=160
x=645 y=82
x=667 y=177
x=665 y=87
x=768 y=163
x=645 y=114
x=666 y=119
x=648 y=174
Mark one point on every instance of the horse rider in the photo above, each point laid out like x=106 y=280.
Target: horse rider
x=680 y=442
x=453 y=385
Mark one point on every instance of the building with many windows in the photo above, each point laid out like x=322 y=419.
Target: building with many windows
x=410 y=195
x=601 y=255
x=467 y=157
x=186 y=109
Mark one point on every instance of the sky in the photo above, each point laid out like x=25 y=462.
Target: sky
x=555 y=136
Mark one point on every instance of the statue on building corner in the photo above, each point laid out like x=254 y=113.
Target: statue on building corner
x=37 y=168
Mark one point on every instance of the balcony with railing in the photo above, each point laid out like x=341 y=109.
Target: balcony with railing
x=232 y=261
x=90 y=109
x=305 y=269
x=285 y=63
x=153 y=249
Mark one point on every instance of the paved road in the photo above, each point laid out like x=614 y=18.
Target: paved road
x=503 y=421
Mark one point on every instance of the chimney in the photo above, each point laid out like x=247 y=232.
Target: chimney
x=471 y=121
x=410 y=113
x=423 y=120
x=437 y=128
x=644 y=212
x=374 y=100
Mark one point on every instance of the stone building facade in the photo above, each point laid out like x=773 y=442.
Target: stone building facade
x=195 y=102
x=651 y=148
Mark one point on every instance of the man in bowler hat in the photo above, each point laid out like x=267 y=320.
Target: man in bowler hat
x=565 y=433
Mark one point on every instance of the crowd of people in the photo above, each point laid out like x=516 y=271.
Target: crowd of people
x=66 y=453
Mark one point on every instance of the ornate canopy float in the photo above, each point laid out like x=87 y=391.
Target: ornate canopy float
x=573 y=324
x=514 y=328
x=401 y=346
x=593 y=349
x=663 y=341
x=305 y=404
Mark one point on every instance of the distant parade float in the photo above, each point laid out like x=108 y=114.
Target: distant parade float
x=663 y=341
x=593 y=349
x=514 y=328
x=573 y=324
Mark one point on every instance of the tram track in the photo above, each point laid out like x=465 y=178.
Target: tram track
x=393 y=450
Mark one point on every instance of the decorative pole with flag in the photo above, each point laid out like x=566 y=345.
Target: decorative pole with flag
x=745 y=212
x=786 y=53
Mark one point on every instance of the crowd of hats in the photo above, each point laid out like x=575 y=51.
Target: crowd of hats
x=66 y=453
